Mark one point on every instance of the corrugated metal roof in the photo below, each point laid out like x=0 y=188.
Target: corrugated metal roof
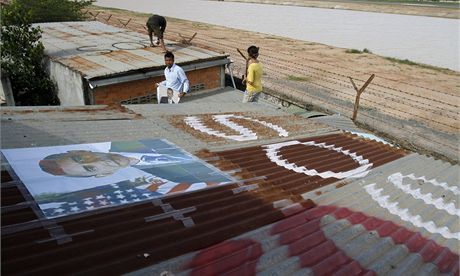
x=217 y=214
x=52 y=128
x=324 y=240
x=417 y=192
x=120 y=239
x=338 y=121
x=346 y=124
x=57 y=113
x=269 y=216
x=306 y=164
x=124 y=239
x=401 y=219
x=95 y=49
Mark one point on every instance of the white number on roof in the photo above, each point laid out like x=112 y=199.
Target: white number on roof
x=245 y=134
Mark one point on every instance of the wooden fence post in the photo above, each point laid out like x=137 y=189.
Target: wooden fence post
x=358 y=94
x=247 y=62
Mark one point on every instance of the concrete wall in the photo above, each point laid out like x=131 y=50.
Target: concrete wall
x=211 y=78
x=69 y=84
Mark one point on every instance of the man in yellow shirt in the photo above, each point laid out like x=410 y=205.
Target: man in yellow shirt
x=254 y=76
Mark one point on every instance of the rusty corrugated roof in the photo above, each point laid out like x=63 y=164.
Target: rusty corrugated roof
x=401 y=219
x=270 y=216
x=59 y=113
x=324 y=240
x=95 y=49
x=125 y=239
x=306 y=164
x=121 y=239
x=130 y=238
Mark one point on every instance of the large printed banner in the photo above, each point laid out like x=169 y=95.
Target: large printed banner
x=71 y=179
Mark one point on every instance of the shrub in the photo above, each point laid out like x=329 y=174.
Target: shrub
x=54 y=10
x=355 y=51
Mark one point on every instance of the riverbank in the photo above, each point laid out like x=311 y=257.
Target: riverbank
x=444 y=10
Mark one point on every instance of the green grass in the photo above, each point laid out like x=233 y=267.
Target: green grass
x=421 y=65
x=275 y=38
x=297 y=78
x=200 y=25
x=355 y=51
x=402 y=61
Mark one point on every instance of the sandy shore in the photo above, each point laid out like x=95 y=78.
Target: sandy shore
x=424 y=9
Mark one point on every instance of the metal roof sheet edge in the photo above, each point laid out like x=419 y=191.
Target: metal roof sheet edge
x=152 y=72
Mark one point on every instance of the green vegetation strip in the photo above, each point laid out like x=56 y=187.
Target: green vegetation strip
x=298 y=78
x=426 y=66
x=355 y=51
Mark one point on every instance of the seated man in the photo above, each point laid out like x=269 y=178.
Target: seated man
x=157 y=24
x=176 y=83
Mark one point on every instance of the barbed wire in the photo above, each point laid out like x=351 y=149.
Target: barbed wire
x=328 y=79
x=381 y=95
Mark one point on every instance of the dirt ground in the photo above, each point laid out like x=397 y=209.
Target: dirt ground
x=416 y=105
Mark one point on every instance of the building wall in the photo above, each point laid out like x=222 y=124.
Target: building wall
x=208 y=78
x=69 y=84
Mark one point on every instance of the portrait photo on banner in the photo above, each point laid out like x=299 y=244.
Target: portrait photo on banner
x=71 y=179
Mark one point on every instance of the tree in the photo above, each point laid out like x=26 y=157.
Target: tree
x=54 y=10
x=22 y=58
x=21 y=51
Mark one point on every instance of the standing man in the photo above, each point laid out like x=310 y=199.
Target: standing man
x=254 y=76
x=156 y=24
x=175 y=77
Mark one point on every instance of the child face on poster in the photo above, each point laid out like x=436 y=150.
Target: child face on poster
x=82 y=163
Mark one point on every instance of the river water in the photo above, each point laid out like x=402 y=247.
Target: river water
x=428 y=40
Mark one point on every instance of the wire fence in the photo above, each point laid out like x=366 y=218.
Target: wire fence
x=388 y=105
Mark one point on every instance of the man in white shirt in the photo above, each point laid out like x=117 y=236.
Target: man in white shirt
x=175 y=77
